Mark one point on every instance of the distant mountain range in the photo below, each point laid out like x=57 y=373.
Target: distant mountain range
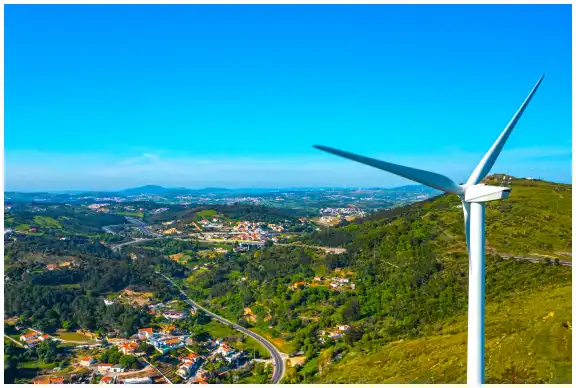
x=175 y=191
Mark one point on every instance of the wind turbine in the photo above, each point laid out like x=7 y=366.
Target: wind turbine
x=473 y=195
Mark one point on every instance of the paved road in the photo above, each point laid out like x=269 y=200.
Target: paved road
x=279 y=368
x=142 y=226
x=13 y=340
x=118 y=246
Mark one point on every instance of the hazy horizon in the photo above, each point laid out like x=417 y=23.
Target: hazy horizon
x=271 y=188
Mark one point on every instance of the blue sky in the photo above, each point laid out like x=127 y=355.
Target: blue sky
x=106 y=97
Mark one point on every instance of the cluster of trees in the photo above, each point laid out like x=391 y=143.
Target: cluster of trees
x=114 y=356
x=70 y=219
x=49 y=308
x=73 y=296
x=236 y=211
x=24 y=246
x=172 y=246
x=257 y=213
x=47 y=352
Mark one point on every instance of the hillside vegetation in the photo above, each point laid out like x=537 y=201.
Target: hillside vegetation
x=528 y=340
x=535 y=220
x=415 y=328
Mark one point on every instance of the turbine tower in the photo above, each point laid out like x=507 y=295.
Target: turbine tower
x=473 y=195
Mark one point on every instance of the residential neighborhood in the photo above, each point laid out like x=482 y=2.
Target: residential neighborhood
x=171 y=359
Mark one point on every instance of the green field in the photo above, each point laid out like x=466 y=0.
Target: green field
x=209 y=244
x=46 y=222
x=219 y=330
x=280 y=343
x=36 y=365
x=73 y=336
x=206 y=213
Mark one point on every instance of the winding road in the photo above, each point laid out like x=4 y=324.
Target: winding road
x=279 y=367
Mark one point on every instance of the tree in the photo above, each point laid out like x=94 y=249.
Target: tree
x=145 y=347
x=353 y=334
x=47 y=351
x=10 y=369
x=351 y=310
x=128 y=361
x=292 y=376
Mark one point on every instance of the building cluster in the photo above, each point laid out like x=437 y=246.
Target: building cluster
x=337 y=282
x=255 y=231
x=172 y=231
x=33 y=339
x=189 y=363
x=214 y=223
x=48 y=380
x=64 y=264
x=333 y=334
x=342 y=211
x=96 y=206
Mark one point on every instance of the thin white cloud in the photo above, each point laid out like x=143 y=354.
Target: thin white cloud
x=144 y=158
x=105 y=172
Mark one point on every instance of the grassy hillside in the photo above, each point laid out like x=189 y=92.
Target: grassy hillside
x=528 y=340
x=412 y=289
x=535 y=220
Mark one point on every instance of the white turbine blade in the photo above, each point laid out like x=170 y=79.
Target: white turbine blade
x=489 y=159
x=427 y=178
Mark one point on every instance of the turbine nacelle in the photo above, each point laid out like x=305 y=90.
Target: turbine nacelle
x=483 y=193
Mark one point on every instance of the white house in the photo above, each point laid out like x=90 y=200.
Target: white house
x=117 y=369
x=175 y=314
x=104 y=368
x=87 y=361
x=145 y=333
x=29 y=336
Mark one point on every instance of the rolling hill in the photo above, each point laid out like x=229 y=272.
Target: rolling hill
x=536 y=220
x=529 y=306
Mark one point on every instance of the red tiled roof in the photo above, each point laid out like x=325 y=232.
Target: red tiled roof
x=145 y=330
x=225 y=347
x=29 y=334
x=88 y=358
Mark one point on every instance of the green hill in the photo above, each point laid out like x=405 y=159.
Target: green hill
x=528 y=340
x=423 y=338
x=535 y=220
